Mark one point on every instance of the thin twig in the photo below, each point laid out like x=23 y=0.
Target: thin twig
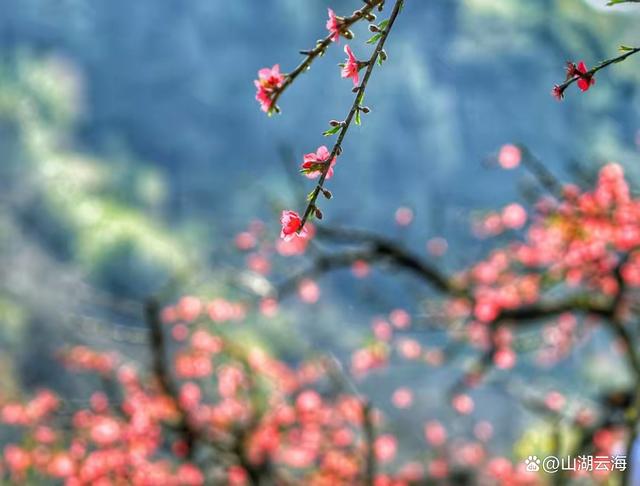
x=541 y=172
x=370 y=438
x=321 y=47
x=560 y=88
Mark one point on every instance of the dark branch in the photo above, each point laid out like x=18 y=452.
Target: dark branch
x=162 y=372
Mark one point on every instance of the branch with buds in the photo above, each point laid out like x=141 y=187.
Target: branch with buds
x=272 y=84
x=341 y=127
x=578 y=73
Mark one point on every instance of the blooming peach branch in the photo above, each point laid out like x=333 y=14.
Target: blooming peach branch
x=354 y=113
x=585 y=77
x=337 y=26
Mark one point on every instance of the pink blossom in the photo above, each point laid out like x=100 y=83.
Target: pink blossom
x=16 y=458
x=190 y=395
x=269 y=307
x=308 y=401
x=514 y=216
x=360 y=269
x=438 y=468
x=509 y=156
x=352 y=67
x=382 y=329
x=402 y=398
x=404 y=216
x=291 y=223
x=463 y=404
x=400 y=318
x=190 y=475
x=554 y=401
x=314 y=163
x=483 y=430
x=61 y=465
x=333 y=26
x=189 y=308
x=504 y=358
x=385 y=447
x=245 y=240
x=486 y=311
x=434 y=433
x=269 y=80
x=437 y=246
x=309 y=291
x=105 y=431
x=558 y=92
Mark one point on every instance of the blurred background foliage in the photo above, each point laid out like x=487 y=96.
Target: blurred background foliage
x=132 y=151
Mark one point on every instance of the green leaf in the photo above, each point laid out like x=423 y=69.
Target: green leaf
x=624 y=48
x=358 y=119
x=332 y=131
x=383 y=24
x=374 y=38
x=310 y=195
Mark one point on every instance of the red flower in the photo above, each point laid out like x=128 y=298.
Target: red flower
x=558 y=92
x=291 y=223
x=334 y=25
x=269 y=80
x=586 y=80
x=314 y=163
x=352 y=67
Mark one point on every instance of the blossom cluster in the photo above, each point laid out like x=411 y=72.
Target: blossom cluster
x=586 y=242
x=134 y=436
x=578 y=73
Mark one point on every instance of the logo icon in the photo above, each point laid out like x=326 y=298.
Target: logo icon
x=532 y=463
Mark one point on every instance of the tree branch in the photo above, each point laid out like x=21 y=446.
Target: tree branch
x=163 y=375
x=360 y=91
x=321 y=48
x=560 y=88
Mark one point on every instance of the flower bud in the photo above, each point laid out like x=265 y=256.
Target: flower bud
x=370 y=17
x=347 y=34
x=335 y=123
x=365 y=109
x=383 y=55
x=374 y=28
x=318 y=213
x=326 y=193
